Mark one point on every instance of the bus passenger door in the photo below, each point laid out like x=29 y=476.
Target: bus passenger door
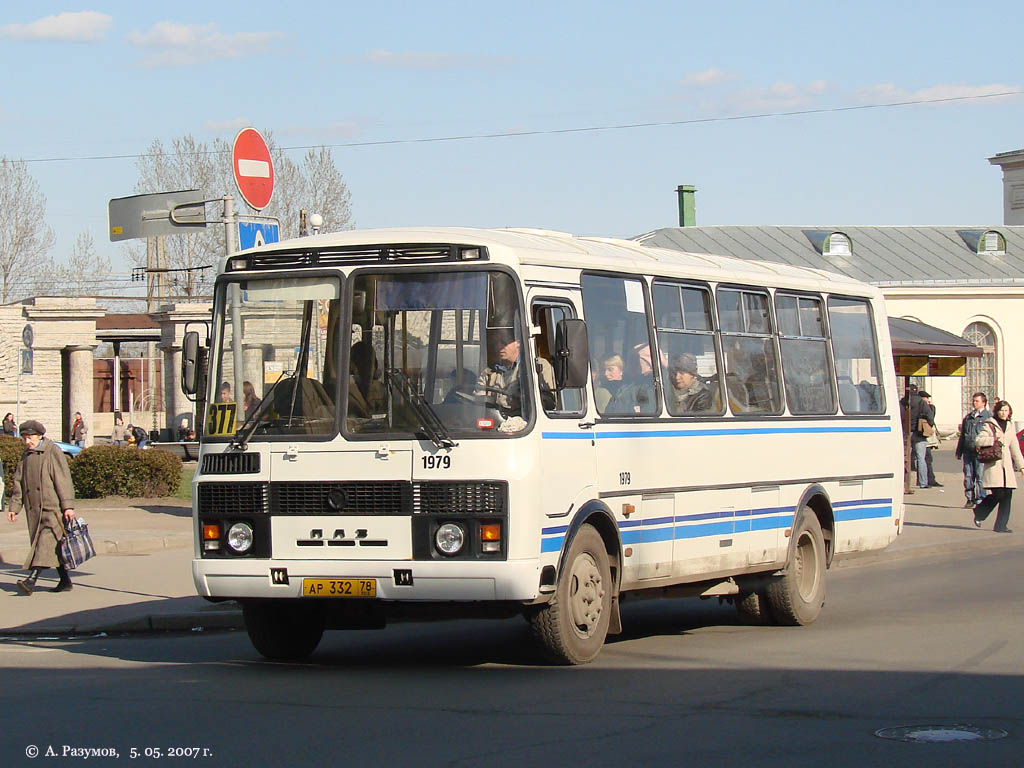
x=567 y=456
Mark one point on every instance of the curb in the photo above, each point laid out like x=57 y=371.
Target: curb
x=194 y=621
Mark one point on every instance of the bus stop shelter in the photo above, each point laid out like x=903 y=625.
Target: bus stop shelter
x=919 y=349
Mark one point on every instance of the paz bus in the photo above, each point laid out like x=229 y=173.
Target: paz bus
x=457 y=422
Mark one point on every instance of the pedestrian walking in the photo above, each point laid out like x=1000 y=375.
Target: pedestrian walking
x=78 y=430
x=998 y=477
x=9 y=427
x=43 y=489
x=967 y=451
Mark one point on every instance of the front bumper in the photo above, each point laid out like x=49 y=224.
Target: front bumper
x=431 y=581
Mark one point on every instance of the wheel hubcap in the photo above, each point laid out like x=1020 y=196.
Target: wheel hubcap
x=805 y=567
x=586 y=594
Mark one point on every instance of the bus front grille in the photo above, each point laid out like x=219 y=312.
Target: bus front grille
x=355 y=498
x=229 y=499
x=231 y=464
x=443 y=498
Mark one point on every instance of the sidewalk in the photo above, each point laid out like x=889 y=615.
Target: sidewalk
x=141 y=578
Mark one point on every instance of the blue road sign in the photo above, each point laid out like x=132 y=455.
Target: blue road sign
x=252 y=234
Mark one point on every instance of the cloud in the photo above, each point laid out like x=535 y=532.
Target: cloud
x=78 y=27
x=778 y=96
x=434 y=62
x=169 y=44
x=707 y=78
x=888 y=93
x=227 y=127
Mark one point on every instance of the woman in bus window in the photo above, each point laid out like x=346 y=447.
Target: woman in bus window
x=613 y=394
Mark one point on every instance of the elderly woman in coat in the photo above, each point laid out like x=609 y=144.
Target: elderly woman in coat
x=998 y=477
x=42 y=487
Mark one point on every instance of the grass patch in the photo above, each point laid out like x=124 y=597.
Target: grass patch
x=185 y=486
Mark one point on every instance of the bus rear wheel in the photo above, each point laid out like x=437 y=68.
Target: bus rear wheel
x=797 y=596
x=283 y=630
x=571 y=629
x=754 y=608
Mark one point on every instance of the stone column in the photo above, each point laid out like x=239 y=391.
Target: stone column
x=174 y=320
x=252 y=370
x=80 y=382
x=176 y=404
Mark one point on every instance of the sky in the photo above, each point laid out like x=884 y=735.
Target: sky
x=709 y=90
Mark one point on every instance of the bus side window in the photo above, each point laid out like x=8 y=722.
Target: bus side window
x=622 y=364
x=806 y=370
x=751 y=362
x=855 y=350
x=556 y=402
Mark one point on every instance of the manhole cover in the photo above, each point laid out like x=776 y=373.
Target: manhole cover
x=940 y=734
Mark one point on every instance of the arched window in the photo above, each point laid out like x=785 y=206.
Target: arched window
x=981 y=371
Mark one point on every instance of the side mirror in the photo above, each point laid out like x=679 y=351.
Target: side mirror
x=572 y=363
x=190 y=363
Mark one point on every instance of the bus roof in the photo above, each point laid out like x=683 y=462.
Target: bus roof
x=546 y=248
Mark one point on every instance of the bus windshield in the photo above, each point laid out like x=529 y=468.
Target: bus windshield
x=277 y=371
x=436 y=353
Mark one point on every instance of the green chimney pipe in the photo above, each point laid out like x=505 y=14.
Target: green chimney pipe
x=687 y=205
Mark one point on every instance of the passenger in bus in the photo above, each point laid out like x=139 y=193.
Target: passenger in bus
x=611 y=393
x=504 y=374
x=688 y=394
x=366 y=392
x=643 y=384
x=225 y=393
x=250 y=401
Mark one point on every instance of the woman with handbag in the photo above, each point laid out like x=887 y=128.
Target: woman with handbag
x=1000 y=456
x=43 y=488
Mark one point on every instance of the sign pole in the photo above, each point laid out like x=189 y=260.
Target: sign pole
x=230 y=230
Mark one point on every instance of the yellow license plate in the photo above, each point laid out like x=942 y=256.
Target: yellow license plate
x=339 y=587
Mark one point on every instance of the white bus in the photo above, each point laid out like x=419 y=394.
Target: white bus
x=462 y=422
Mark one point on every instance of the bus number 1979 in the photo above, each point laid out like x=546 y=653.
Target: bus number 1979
x=437 y=462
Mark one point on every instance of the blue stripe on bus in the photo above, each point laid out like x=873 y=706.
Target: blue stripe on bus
x=551 y=545
x=766 y=519
x=712 y=432
x=865 y=513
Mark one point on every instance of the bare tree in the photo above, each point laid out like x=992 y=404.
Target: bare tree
x=326 y=190
x=85 y=273
x=316 y=185
x=25 y=238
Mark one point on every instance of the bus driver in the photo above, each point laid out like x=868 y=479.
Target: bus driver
x=504 y=375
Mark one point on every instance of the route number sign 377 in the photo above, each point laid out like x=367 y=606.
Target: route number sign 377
x=220 y=419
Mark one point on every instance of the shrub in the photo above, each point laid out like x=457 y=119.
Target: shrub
x=112 y=470
x=11 y=451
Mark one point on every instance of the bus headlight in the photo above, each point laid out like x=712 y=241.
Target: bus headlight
x=449 y=539
x=240 y=537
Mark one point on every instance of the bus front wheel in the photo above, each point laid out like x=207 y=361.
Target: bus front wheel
x=571 y=629
x=283 y=630
x=797 y=596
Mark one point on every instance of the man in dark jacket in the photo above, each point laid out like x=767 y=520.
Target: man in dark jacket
x=972 y=424
x=921 y=415
x=42 y=487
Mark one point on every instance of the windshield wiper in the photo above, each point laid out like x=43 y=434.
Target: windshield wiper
x=241 y=436
x=432 y=426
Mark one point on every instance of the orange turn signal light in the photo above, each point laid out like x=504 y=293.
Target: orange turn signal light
x=211 y=531
x=490 y=532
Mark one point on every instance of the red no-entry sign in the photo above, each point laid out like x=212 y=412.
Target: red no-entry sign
x=253 y=168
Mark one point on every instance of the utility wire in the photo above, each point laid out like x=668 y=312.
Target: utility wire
x=559 y=131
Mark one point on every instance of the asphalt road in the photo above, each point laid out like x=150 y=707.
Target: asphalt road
x=933 y=640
